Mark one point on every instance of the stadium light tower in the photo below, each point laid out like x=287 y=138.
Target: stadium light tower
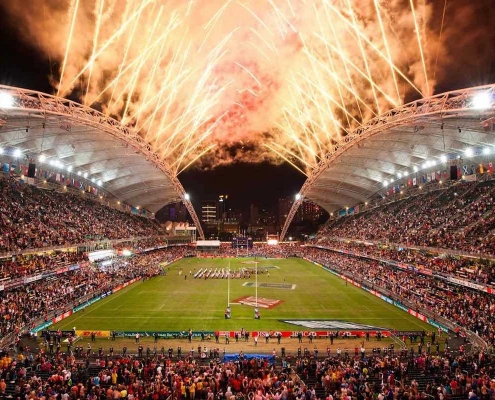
x=482 y=101
x=6 y=100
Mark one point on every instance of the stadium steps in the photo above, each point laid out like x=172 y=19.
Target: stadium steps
x=312 y=382
x=417 y=375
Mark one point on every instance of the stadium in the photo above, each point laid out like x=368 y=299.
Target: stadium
x=391 y=295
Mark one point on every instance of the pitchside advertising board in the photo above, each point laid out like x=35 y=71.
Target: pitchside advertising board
x=210 y=335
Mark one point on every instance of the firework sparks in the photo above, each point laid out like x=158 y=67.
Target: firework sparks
x=292 y=78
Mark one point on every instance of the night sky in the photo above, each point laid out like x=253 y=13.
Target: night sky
x=469 y=33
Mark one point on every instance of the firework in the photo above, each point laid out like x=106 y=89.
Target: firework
x=195 y=78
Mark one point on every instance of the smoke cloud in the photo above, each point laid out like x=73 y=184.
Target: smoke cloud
x=213 y=82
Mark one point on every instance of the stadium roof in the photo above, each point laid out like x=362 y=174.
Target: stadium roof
x=417 y=136
x=77 y=138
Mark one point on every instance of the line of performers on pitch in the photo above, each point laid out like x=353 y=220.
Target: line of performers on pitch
x=222 y=273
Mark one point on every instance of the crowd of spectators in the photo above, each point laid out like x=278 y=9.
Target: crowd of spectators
x=481 y=271
x=31 y=264
x=261 y=250
x=471 y=309
x=31 y=217
x=24 y=305
x=157 y=377
x=457 y=217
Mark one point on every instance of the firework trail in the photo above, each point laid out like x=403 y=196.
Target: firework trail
x=195 y=78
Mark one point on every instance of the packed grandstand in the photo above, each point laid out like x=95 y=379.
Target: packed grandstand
x=399 y=249
x=402 y=231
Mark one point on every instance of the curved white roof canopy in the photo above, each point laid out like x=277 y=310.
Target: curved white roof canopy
x=397 y=142
x=89 y=142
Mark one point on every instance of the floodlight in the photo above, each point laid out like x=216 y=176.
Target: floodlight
x=415 y=168
x=399 y=175
x=17 y=153
x=385 y=183
x=486 y=150
x=6 y=100
x=69 y=168
x=405 y=173
x=1 y=150
x=443 y=158
x=85 y=175
x=93 y=180
x=186 y=196
x=79 y=173
x=425 y=165
x=99 y=182
x=42 y=158
x=433 y=163
x=298 y=196
x=482 y=101
x=468 y=152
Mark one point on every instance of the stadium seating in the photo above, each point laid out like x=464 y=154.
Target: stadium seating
x=40 y=300
x=467 y=307
x=34 y=218
x=458 y=217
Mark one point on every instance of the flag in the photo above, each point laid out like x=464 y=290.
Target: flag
x=414 y=181
x=490 y=168
x=481 y=168
x=409 y=182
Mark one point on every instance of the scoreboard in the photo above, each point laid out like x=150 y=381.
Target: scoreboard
x=242 y=242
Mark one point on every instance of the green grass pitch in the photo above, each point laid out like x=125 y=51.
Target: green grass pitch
x=172 y=303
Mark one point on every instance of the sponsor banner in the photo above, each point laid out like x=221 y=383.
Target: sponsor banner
x=87 y=303
x=48 y=274
x=385 y=298
x=41 y=327
x=33 y=278
x=315 y=334
x=64 y=334
x=88 y=333
x=416 y=314
x=62 y=316
x=117 y=288
x=62 y=270
x=437 y=325
x=401 y=306
x=209 y=335
x=407 y=333
x=468 y=284
x=14 y=283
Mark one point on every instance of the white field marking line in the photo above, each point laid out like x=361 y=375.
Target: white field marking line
x=101 y=303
